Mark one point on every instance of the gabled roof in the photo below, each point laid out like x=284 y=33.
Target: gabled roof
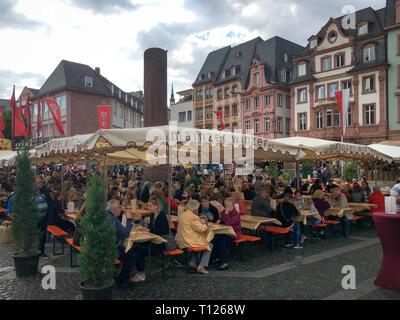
x=213 y=64
x=241 y=57
x=271 y=53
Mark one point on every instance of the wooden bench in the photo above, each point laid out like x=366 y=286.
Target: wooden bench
x=275 y=231
x=189 y=251
x=333 y=225
x=70 y=241
x=168 y=254
x=58 y=234
x=315 y=227
x=244 y=238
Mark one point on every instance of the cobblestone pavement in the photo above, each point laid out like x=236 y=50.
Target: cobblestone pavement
x=311 y=273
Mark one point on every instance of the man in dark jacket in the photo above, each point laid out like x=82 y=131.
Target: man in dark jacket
x=260 y=206
x=208 y=210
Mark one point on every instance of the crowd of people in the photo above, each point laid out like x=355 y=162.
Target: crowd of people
x=221 y=202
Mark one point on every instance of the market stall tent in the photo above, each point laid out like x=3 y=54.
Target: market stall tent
x=391 y=151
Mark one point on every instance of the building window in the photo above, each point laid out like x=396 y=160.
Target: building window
x=301 y=70
x=234 y=126
x=234 y=109
x=119 y=93
x=369 y=54
x=267 y=100
x=207 y=93
x=235 y=89
x=247 y=124
x=321 y=92
x=288 y=125
x=226 y=92
x=247 y=104
x=279 y=100
x=370 y=114
x=257 y=126
x=182 y=117
x=233 y=71
x=313 y=43
x=211 y=92
x=62 y=102
x=88 y=82
x=256 y=102
x=257 y=78
x=219 y=94
x=112 y=89
x=363 y=29
x=302 y=121
x=199 y=114
x=302 y=93
x=349 y=117
x=285 y=57
x=267 y=124
x=223 y=75
x=319 y=120
x=189 y=115
x=328 y=118
x=336 y=118
x=347 y=85
x=209 y=112
x=283 y=76
x=339 y=60
x=279 y=124
x=332 y=36
x=369 y=84
x=333 y=87
x=226 y=113
x=288 y=101
x=326 y=64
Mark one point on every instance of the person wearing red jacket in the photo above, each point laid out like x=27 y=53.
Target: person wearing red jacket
x=378 y=198
x=229 y=217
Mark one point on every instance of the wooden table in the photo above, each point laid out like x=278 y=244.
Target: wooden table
x=365 y=205
x=138 y=214
x=338 y=211
x=139 y=236
x=214 y=229
x=253 y=222
x=71 y=217
x=305 y=213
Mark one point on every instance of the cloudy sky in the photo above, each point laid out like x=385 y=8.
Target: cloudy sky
x=113 y=34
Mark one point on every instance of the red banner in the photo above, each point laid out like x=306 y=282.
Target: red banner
x=104 y=116
x=219 y=116
x=39 y=123
x=27 y=114
x=56 y=113
x=19 y=129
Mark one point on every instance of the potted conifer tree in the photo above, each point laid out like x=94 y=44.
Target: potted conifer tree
x=25 y=214
x=99 y=250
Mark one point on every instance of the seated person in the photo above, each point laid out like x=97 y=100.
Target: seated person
x=222 y=242
x=298 y=201
x=287 y=214
x=357 y=195
x=208 y=210
x=338 y=200
x=329 y=186
x=158 y=225
x=321 y=204
x=56 y=211
x=316 y=186
x=126 y=201
x=220 y=183
x=261 y=205
x=249 y=192
x=191 y=194
x=345 y=189
x=239 y=203
x=306 y=186
x=365 y=187
x=378 y=198
x=177 y=191
x=217 y=201
x=192 y=233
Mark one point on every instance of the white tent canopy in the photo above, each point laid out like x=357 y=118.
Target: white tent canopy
x=116 y=144
x=390 y=151
x=319 y=149
x=7 y=158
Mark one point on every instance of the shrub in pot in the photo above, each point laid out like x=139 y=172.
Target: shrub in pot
x=25 y=214
x=99 y=250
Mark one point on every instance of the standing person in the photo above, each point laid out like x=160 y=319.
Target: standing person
x=222 y=242
x=192 y=233
x=338 y=200
x=287 y=213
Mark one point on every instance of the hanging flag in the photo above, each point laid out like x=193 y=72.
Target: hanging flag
x=27 y=114
x=104 y=116
x=39 y=123
x=2 y=126
x=19 y=129
x=342 y=98
x=56 y=113
x=219 y=116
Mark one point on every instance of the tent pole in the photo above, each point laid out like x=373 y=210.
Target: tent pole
x=298 y=174
x=62 y=186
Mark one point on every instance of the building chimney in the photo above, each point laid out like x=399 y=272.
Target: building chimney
x=97 y=70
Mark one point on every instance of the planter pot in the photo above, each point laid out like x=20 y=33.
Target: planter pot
x=103 y=293
x=26 y=265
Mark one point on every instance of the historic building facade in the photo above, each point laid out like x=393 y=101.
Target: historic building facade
x=335 y=59
x=393 y=43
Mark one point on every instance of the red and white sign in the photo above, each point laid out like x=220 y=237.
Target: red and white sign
x=104 y=116
x=56 y=113
x=342 y=98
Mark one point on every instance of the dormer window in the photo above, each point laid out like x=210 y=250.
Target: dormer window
x=238 y=54
x=332 y=36
x=233 y=70
x=120 y=93
x=285 y=58
x=88 y=82
x=209 y=75
x=313 y=43
x=283 y=76
x=301 y=69
x=369 y=53
x=363 y=28
x=223 y=74
x=112 y=89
